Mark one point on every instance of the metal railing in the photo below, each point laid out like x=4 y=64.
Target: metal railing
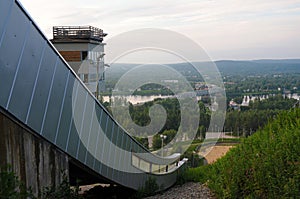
x=78 y=32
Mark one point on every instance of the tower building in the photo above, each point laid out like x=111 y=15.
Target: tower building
x=83 y=48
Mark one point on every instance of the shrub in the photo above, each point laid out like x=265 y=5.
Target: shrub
x=265 y=165
x=10 y=185
x=63 y=190
x=150 y=188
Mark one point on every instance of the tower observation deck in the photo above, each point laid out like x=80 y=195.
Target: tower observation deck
x=79 y=33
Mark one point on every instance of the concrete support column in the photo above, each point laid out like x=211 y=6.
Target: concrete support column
x=37 y=162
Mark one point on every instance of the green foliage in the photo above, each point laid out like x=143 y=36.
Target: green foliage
x=265 y=165
x=198 y=174
x=245 y=123
x=259 y=112
x=257 y=76
x=153 y=89
x=150 y=188
x=140 y=115
x=10 y=185
x=181 y=178
x=239 y=85
x=273 y=103
x=238 y=99
x=157 y=139
x=142 y=141
x=63 y=190
x=194 y=159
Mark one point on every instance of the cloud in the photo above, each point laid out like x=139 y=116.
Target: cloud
x=216 y=24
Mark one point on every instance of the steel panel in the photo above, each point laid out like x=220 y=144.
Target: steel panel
x=6 y=6
x=102 y=144
x=115 y=133
x=93 y=136
x=125 y=155
x=121 y=145
x=25 y=79
x=79 y=108
x=64 y=125
x=86 y=128
x=10 y=51
x=111 y=149
x=109 y=131
x=116 y=152
x=73 y=140
x=39 y=100
x=103 y=121
x=79 y=113
x=62 y=106
x=55 y=102
x=106 y=149
x=99 y=113
x=103 y=128
x=73 y=137
x=135 y=147
x=88 y=146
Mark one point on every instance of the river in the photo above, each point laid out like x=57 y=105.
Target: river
x=138 y=99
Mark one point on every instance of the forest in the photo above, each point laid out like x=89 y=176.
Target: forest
x=242 y=123
x=246 y=121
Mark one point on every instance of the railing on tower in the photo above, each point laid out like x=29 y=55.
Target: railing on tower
x=78 y=32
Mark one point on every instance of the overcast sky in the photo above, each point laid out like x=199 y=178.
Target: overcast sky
x=226 y=29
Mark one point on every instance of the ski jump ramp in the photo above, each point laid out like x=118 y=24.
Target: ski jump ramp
x=41 y=90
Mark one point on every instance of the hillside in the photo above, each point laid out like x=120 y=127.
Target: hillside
x=258 y=67
x=226 y=67
x=264 y=165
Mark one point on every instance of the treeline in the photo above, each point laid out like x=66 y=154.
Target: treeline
x=241 y=123
x=265 y=165
x=139 y=115
x=238 y=85
x=249 y=119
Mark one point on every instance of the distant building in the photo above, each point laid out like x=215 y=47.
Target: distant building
x=174 y=81
x=82 y=48
x=234 y=105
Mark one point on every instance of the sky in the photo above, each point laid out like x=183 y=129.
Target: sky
x=225 y=29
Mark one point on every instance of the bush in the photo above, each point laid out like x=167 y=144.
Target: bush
x=150 y=188
x=64 y=190
x=265 y=165
x=199 y=174
x=10 y=185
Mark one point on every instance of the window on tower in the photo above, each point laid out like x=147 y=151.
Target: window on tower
x=84 y=55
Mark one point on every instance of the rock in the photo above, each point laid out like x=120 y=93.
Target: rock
x=190 y=190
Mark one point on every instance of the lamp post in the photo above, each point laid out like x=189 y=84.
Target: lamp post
x=99 y=77
x=163 y=137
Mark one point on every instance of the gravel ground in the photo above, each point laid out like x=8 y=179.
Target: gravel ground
x=190 y=190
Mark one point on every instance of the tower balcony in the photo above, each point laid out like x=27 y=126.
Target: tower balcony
x=77 y=33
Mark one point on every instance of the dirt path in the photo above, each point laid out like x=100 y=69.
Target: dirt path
x=214 y=153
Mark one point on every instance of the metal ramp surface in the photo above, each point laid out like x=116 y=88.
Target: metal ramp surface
x=42 y=91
